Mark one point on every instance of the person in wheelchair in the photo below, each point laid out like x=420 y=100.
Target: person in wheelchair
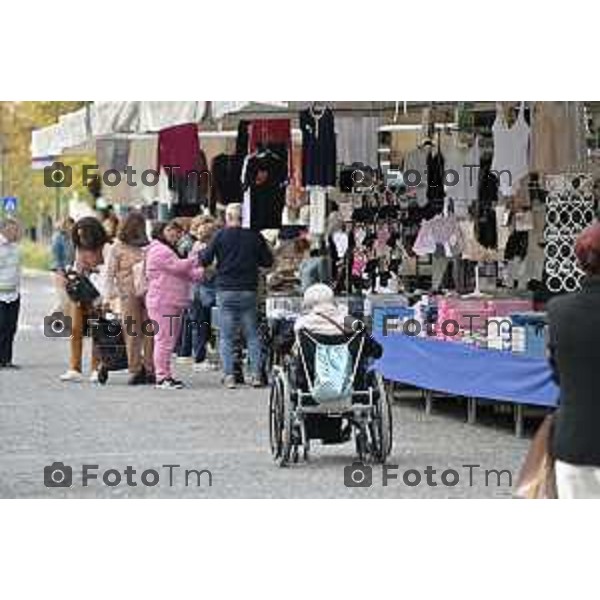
x=332 y=361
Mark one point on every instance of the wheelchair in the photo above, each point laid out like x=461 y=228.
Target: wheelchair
x=363 y=415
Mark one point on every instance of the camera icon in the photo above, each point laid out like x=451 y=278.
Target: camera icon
x=58 y=325
x=58 y=175
x=358 y=475
x=355 y=325
x=58 y=475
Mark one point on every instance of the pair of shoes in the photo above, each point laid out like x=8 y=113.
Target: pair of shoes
x=229 y=382
x=202 y=367
x=256 y=382
x=139 y=378
x=72 y=375
x=169 y=384
x=184 y=360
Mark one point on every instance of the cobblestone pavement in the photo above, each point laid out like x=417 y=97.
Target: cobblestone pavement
x=205 y=427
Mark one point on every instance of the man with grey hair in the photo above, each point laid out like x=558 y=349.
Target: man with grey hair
x=239 y=254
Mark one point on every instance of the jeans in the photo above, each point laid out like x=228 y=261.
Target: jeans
x=196 y=331
x=237 y=309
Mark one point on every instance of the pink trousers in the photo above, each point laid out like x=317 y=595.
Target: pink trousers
x=169 y=321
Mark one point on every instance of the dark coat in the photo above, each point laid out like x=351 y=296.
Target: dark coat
x=574 y=339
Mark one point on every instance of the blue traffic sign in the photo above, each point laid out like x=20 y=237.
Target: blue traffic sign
x=10 y=203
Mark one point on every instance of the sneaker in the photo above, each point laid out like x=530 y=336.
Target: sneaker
x=71 y=375
x=94 y=377
x=184 y=360
x=230 y=382
x=150 y=378
x=202 y=367
x=169 y=384
x=256 y=382
x=11 y=366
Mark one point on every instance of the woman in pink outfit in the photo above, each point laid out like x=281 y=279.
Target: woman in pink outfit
x=169 y=280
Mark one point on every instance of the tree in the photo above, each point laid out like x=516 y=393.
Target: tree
x=17 y=121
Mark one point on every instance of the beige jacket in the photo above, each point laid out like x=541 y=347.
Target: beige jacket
x=119 y=270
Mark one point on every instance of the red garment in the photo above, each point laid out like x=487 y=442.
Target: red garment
x=179 y=146
x=270 y=131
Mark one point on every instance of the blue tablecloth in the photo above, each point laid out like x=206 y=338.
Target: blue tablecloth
x=455 y=368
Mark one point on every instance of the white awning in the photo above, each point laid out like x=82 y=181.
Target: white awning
x=75 y=128
x=220 y=108
x=47 y=142
x=155 y=116
x=108 y=117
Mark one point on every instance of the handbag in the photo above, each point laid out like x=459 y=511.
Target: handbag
x=140 y=281
x=537 y=478
x=80 y=289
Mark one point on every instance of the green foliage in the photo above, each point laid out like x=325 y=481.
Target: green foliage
x=17 y=121
x=35 y=256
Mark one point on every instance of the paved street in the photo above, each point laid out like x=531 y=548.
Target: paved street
x=205 y=427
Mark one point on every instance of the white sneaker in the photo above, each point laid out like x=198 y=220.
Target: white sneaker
x=71 y=375
x=94 y=377
x=184 y=360
x=203 y=367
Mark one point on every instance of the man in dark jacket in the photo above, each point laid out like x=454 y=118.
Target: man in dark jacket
x=239 y=254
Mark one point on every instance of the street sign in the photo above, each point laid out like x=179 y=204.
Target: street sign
x=10 y=203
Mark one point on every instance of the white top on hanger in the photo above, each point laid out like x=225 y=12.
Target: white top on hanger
x=511 y=149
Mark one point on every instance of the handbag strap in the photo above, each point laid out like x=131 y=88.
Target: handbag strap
x=332 y=321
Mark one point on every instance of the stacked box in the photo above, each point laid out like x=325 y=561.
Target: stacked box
x=531 y=328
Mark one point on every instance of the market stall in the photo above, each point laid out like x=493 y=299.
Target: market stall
x=432 y=210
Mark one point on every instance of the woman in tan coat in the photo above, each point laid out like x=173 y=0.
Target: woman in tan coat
x=125 y=253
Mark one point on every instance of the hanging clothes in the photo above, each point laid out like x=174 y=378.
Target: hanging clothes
x=416 y=163
x=112 y=154
x=435 y=182
x=265 y=178
x=265 y=132
x=179 y=146
x=511 y=149
x=242 y=141
x=463 y=160
x=557 y=138
x=226 y=171
x=357 y=140
x=318 y=147
x=143 y=154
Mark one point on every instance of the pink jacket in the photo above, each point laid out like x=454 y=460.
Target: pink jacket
x=169 y=277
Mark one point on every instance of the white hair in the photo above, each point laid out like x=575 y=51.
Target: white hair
x=318 y=294
x=233 y=214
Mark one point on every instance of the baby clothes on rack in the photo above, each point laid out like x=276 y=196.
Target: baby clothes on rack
x=441 y=230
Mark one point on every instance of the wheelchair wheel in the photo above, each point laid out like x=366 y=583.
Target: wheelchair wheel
x=382 y=427
x=279 y=419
